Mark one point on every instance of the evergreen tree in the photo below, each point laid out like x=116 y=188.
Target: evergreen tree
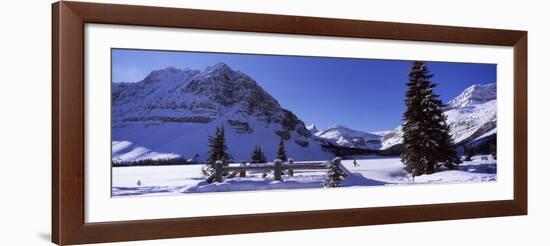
x=254 y=158
x=258 y=156
x=469 y=152
x=281 y=152
x=493 y=150
x=426 y=140
x=218 y=151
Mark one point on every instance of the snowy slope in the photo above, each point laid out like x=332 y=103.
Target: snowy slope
x=470 y=122
x=346 y=137
x=471 y=115
x=171 y=113
x=392 y=138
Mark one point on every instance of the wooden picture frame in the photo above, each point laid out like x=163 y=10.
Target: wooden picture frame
x=68 y=224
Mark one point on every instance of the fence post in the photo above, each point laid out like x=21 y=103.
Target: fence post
x=243 y=172
x=290 y=170
x=218 y=171
x=278 y=169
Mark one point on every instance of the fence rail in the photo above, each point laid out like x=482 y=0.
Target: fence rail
x=278 y=167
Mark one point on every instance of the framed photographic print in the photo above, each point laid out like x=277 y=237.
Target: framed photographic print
x=175 y=122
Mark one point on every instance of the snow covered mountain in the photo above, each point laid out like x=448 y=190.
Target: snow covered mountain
x=346 y=137
x=392 y=138
x=474 y=95
x=312 y=128
x=171 y=113
x=472 y=116
x=471 y=122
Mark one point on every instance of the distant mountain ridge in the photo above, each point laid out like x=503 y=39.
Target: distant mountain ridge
x=346 y=137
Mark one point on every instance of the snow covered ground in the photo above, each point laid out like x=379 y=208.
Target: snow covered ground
x=170 y=180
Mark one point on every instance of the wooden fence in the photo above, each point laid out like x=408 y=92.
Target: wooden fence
x=278 y=168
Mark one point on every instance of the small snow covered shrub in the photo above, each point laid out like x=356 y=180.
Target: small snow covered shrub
x=334 y=176
x=207 y=169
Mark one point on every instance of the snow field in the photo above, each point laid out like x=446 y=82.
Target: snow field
x=170 y=180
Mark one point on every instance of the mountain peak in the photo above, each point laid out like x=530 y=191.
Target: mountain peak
x=474 y=95
x=312 y=128
x=220 y=72
x=218 y=67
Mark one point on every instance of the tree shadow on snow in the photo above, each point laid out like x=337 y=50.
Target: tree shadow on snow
x=356 y=179
x=135 y=191
x=489 y=168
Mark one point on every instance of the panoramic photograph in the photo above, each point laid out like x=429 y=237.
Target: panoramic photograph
x=194 y=122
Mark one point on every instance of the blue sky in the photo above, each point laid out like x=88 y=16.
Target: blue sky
x=363 y=94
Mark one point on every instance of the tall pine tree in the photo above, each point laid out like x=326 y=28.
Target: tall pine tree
x=218 y=151
x=426 y=139
x=281 y=152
